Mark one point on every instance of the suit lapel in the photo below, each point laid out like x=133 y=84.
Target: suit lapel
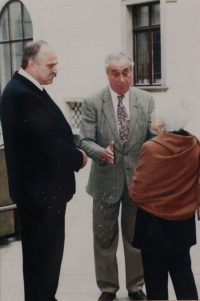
x=108 y=109
x=134 y=107
x=109 y=112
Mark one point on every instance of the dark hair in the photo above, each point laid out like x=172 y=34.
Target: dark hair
x=31 y=51
x=180 y=132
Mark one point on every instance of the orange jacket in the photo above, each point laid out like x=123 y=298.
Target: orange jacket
x=165 y=183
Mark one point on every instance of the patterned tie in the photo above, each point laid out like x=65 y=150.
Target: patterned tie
x=123 y=120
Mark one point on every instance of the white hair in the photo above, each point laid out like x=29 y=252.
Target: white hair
x=117 y=56
x=176 y=114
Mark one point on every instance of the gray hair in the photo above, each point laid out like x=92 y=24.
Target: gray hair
x=176 y=114
x=117 y=56
x=31 y=52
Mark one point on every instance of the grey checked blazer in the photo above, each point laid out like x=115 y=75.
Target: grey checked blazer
x=99 y=128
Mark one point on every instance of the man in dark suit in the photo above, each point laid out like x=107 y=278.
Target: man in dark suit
x=41 y=158
x=115 y=124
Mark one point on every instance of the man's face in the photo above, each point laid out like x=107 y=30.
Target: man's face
x=45 y=66
x=119 y=74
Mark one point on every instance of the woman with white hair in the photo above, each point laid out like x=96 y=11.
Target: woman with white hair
x=165 y=189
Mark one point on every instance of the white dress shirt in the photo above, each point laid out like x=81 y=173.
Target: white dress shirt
x=116 y=101
x=29 y=77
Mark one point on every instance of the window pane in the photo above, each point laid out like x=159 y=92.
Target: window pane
x=142 y=59
x=28 y=30
x=4 y=34
x=11 y=53
x=142 y=16
x=155 y=14
x=17 y=51
x=5 y=64
x=156 y=58
x=15 y=20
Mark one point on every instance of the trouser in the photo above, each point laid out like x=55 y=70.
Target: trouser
x=156 y=267
x=106 y=234
x=42 y=233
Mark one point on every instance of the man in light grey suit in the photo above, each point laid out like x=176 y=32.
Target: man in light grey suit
x=115 y=124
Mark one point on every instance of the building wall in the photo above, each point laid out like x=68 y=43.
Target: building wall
x=182 y=53
x=83 y=32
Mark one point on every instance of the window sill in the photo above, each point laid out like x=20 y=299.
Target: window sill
x=153 y=88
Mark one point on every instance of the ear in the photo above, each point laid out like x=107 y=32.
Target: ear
x=31 y=63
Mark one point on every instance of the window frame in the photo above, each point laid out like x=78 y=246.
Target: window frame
x=146 y=29
x=10 y=41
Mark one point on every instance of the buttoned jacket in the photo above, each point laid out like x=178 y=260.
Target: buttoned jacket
x=41 y=156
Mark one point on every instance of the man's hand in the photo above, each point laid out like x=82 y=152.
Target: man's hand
x=107 y=154
x=85 y=158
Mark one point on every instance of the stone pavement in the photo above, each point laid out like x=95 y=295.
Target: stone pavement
x=77 y=279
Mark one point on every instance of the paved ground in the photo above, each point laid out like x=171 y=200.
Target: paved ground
x=77 y=280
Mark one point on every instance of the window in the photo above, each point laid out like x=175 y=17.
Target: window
x=147 y=44
x=74 y=108
x=15 y=32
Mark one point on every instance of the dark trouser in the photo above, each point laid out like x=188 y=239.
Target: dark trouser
x=42 y=232
x=156 y=266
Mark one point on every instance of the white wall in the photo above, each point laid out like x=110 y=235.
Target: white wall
x=180 y=32
x=83 y=32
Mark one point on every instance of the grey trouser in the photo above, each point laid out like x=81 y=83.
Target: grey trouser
x=106 y=236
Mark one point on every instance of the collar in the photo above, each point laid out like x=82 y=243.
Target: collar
x=29 y=77
x=114 y=94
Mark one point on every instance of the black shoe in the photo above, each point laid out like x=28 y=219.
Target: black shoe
x=139 y=295
x=107 y=296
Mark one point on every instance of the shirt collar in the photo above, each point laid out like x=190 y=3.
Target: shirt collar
x=29 y=77
x=114 y=94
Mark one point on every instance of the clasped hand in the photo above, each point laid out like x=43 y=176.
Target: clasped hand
x=85 y=158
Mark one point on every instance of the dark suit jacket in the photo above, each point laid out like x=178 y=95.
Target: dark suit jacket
x=41 y=156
